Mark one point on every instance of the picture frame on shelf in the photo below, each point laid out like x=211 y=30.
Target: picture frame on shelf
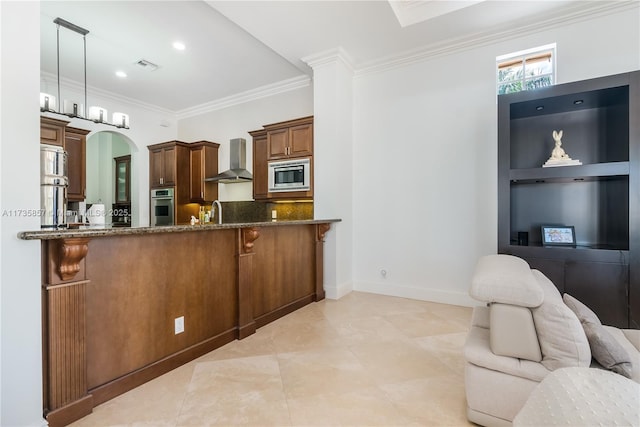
x=558 y=235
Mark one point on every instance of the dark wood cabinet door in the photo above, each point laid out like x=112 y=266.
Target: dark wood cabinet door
x=156 y=167
x=602 y=287
x=75 y=143
x=278 y=142
x=162 y=167
x=197 y=174
x=203 y=164
x=301 y=140
x=210 y=169
x=169 y=166
x=260 y=168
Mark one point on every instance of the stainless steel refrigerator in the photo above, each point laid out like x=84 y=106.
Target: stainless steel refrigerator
x=53 y=186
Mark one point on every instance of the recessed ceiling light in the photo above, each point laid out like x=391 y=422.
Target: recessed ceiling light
x=121 y=74
x=179 y=45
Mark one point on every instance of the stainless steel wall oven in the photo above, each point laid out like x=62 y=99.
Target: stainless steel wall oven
x=162 y=206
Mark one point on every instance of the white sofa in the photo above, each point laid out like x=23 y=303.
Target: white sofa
x=524 y=331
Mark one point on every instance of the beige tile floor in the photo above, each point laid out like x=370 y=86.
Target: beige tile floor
x=363 y=360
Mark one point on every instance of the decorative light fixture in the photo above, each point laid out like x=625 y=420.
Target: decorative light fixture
x=47 y=102
x=121 y=119
x=73 y=109
x=70 y=108
x=98 y=114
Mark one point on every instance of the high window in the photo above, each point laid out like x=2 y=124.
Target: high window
x=526 y=70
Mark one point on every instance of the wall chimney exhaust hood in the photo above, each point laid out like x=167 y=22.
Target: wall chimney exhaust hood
x=238 y=164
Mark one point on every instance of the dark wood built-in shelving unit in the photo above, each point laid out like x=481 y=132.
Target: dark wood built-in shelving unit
x=600 y=119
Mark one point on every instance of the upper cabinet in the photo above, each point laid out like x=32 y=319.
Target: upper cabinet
x=162 y=165
x=260 y=168
x=184 y=166
x=279 y=142
x=290 y=139
x=75 y=144
x=600 y=124
x=203 y=164
x=52 y=131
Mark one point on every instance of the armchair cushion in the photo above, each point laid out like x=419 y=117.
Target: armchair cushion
x=606 y=350
x=562 y=339
x=513 y=333
x=505 y=279
x=584 y=313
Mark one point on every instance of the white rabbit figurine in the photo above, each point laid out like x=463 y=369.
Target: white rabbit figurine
x=558 y=155
x=558 y=152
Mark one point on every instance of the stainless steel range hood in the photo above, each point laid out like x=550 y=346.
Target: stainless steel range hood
x=238 y=163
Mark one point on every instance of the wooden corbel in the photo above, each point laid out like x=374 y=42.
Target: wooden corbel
x=70 y=253
x=249 y=235
x=321 y=230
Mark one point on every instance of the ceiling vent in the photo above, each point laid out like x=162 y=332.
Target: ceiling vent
x=149 y=66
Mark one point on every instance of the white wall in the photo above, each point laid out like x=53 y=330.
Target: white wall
x=20 y=318
x=236 y=122
x=425 y=199
x=333 y=160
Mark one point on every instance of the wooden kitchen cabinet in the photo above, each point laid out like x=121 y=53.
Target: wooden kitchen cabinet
x=203 y=164
x=290 y=139
x=123 y=179
x=170 y=166
x=75 y=144
x=162 y=165
x=52 y=131
x=260 y=158
x=281 y=141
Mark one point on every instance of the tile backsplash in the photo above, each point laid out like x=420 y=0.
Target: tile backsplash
x=249 y=211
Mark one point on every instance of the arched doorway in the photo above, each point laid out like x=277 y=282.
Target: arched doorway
x=107 y=180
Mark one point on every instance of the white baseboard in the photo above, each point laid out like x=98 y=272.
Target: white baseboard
x=337 y=292
x=419 y=293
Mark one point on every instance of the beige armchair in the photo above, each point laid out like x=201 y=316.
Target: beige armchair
x=525 y=331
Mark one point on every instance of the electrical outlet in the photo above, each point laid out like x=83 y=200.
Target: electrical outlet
x=179 y=325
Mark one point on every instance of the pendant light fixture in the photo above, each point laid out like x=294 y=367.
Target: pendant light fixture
x=48 y=102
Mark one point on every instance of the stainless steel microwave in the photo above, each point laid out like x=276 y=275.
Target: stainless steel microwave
x=290 y=175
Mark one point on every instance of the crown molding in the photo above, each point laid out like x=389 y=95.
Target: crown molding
x=328 y=57
x=52 y=79
x=578 y=14
x=247 y=96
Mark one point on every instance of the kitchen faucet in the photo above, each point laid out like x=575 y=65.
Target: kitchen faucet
x=213 y=210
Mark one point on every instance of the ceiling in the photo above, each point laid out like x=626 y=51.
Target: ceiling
x=234 y=47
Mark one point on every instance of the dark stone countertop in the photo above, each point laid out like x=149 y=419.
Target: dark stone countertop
x=106 y=231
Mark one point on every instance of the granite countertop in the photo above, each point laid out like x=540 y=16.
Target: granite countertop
x=100 y=231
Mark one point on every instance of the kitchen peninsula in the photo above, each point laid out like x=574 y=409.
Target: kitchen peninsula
x=122 y=306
